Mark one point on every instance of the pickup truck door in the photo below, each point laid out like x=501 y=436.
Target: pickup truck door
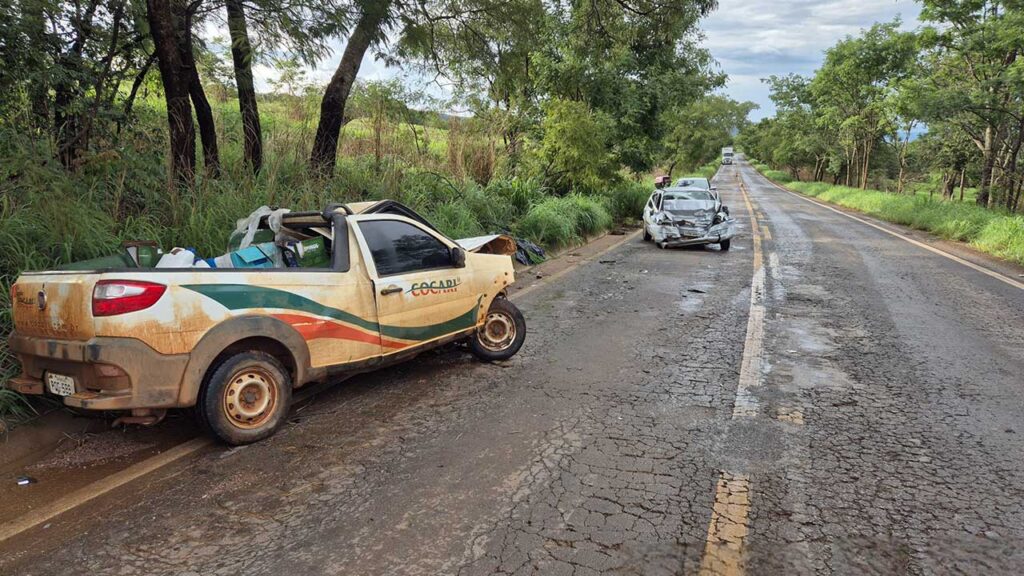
x=421 y=295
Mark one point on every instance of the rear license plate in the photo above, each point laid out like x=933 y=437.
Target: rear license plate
x=60 y=384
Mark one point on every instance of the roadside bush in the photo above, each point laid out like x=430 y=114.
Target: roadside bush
x=548 y=224
x=778 y=176
x=709 y=170
x=563 y=221
x=456 y=220
x=626 y=201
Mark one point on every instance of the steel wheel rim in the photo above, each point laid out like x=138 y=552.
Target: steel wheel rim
x=250 y=398
x=498 y=332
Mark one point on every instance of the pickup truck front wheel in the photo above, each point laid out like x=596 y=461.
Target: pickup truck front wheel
x=502 y=334
x=246 y=398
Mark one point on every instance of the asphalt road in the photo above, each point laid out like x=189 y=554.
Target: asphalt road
x=823 y=398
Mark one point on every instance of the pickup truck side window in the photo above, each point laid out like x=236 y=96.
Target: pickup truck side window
x=399 y=247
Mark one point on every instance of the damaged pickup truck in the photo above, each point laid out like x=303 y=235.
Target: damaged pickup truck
x=687 y=216
x=233 y=341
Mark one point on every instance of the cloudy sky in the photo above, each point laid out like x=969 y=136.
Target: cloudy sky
x=751 y=39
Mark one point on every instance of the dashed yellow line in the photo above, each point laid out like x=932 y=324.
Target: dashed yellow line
x=746 y=404
x=728 y=530
x=729 y=525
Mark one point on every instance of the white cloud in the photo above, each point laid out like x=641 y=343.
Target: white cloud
x=753 y=39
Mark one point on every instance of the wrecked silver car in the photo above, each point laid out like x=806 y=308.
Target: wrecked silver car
x=687 y=216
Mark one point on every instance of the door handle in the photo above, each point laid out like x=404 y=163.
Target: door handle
x=392 y=289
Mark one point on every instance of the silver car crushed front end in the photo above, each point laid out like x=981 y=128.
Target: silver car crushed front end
x=686 y=233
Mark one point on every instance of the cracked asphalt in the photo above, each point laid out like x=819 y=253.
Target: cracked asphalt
x=887 y=436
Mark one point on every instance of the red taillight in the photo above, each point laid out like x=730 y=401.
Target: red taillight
x=113 y=297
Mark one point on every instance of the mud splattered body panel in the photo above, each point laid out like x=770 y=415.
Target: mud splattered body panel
x=328 y=319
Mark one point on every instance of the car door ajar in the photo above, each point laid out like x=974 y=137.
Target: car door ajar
x=421 y=295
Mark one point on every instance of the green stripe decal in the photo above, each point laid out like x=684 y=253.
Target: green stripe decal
x=243 y=296
x=467 y=320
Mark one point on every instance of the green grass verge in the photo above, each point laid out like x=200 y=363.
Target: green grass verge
x=994 y=232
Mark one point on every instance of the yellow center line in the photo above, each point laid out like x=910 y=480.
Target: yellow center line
x=729 y=525
x=746 y=404
x=728 y=529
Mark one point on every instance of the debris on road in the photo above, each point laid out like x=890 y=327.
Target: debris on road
x=25 y=480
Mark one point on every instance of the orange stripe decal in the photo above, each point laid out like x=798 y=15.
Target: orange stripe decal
x=311 y=328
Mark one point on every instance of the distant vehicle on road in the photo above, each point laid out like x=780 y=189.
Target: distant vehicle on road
x=234 y=342
x=727 y=155
x=687 y=216
x=694 y=182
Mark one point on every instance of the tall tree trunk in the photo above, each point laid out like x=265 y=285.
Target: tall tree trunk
x=988 y=162
x=332 y=107
x=129 y=102
x=67 y=121
x=175 y=79
x=1010 y=167
x=204 y=113
x=867 y=162
x=947 y=185
x=963 y=181
x=207 y=128
x=34 y=19
x=241 y=57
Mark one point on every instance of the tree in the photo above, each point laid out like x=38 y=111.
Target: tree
x=975 y=69
x=176 y=80
x=573 y=150
x=373 y=18
x=852 y=87
x=241 y=58
x=184 y=15
x=700 y=130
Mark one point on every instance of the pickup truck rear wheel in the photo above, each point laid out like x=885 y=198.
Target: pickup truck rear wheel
x=502 y=334
x=246 y=398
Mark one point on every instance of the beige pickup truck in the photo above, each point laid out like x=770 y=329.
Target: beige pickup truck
x=233 y=343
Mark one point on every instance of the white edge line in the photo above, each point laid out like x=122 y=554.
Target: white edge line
x=917 y=243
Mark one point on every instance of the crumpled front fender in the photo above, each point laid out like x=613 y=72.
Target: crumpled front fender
x=671 y=234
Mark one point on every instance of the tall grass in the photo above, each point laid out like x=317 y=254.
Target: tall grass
x=564 y=221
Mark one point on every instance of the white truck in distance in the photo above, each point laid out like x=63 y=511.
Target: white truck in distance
x=727 y=155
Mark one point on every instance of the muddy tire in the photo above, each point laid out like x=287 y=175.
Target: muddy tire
x=502 y=334
x=245 y=399
x=724 y=245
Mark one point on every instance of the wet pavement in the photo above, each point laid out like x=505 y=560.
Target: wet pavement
x=877 y=430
